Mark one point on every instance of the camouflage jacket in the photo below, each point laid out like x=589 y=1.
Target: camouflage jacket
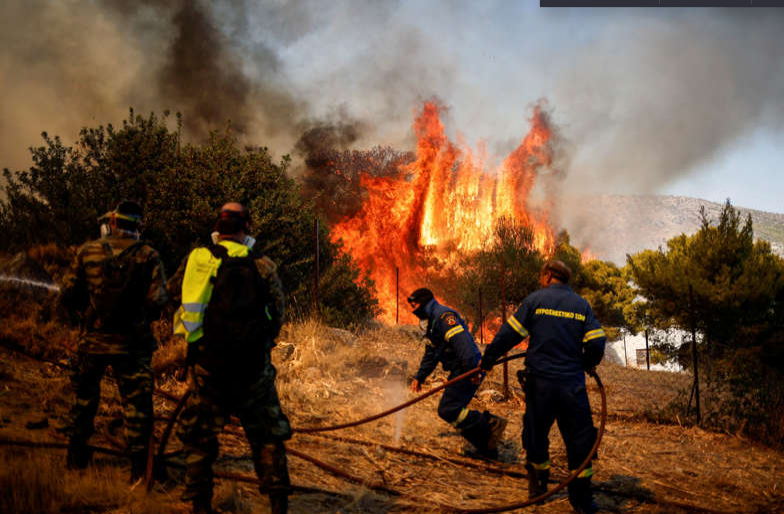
x=83 y=280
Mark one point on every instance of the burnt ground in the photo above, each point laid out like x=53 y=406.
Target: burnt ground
x=328 y=376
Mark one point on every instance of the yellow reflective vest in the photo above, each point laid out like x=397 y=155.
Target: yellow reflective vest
x=200 y=271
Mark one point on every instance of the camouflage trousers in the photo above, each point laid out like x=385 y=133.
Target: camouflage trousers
x=255 y=401
x=135 y=382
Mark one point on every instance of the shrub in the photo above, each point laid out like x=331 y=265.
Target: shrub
x=181 y=187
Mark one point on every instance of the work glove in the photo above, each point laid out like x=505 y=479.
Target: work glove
x=486 y=365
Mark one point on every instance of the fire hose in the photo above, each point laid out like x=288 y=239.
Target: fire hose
x=530 y=501
x=467 y=374
x=419 y=398
x=307 y=489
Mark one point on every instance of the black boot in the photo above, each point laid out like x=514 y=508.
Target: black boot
x=581 y=497
x=202 y=506
x=497 y=426
x=279 y=503
x=273 y=473
x=138 y=466
x=537 y=481
x=79 y=454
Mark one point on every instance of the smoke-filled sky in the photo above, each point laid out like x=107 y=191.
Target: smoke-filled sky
x=674 y=101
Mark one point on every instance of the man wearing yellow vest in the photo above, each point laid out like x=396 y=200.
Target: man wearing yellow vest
x=232 y=310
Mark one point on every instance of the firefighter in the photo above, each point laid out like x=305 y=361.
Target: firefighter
x=232 y=310
x=565 y=341
x=450 y=343
x=117 y=285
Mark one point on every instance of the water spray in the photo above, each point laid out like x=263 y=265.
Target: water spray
x=26 y=282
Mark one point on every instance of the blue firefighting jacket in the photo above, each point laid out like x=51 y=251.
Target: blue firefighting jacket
x=566 y=338
x=449 y=342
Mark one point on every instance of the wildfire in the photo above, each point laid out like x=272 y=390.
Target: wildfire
x=587 y=255
x=441 y=203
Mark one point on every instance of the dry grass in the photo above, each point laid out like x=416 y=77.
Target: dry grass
x=170 y=356
x=32 y=482
x=328 y=376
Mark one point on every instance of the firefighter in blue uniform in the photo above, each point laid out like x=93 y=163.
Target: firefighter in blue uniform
x=450 y=343
x=566 y=340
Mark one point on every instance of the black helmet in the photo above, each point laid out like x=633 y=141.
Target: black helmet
x=421 y=296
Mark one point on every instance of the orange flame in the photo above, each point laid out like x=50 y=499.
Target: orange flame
x=442 y=202
x=587 y=255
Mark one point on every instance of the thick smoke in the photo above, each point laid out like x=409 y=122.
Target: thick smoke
x=643 y=98
x=646 y=104
x=649 y=101
x=65 y=66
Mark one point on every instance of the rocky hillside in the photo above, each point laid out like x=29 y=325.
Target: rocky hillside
x=612 y=226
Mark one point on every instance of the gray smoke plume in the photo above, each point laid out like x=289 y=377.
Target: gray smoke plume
x=66 y=66
x=656 y=95
x=642 y=96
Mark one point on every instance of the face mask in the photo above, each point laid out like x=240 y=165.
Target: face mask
x=105 y=230
x=420 y=313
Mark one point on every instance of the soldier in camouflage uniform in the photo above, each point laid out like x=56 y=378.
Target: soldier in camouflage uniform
x=117 y=284
x=228 y=359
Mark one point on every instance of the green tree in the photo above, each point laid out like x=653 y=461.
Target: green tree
x=732 y=288
x=181 y=187
x=507 y=268
x=607 y=289
x=719 y=276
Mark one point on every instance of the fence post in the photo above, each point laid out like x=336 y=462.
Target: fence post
x=397 y=294
x=694 y=353
x=316 y=269
x=481 y=319
x=503 y=320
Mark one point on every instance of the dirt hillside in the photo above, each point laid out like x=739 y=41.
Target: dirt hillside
x=407 y=462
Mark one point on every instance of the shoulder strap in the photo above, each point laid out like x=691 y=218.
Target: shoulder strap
x=219 y=251
x=107 y=249
x=133 y=248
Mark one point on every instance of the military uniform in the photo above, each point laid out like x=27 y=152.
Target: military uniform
x=242 y=384
x=127 y=347
x=450 y=343
x=566 y=339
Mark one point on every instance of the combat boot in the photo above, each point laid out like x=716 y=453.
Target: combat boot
x=202 y=506
x=497 y=426
x=79 y=454
x=138 y=466
x=537 y=481
x=279 y=503
x=581 y=497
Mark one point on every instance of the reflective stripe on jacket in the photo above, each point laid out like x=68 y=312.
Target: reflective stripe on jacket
x=200 y=271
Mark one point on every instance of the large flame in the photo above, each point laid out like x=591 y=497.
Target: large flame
x=443 y=202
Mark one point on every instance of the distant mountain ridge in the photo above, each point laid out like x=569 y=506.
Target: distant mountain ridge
x=611 y=226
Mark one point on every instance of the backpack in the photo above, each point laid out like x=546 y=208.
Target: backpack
x=237 y=323
x=120 y=296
